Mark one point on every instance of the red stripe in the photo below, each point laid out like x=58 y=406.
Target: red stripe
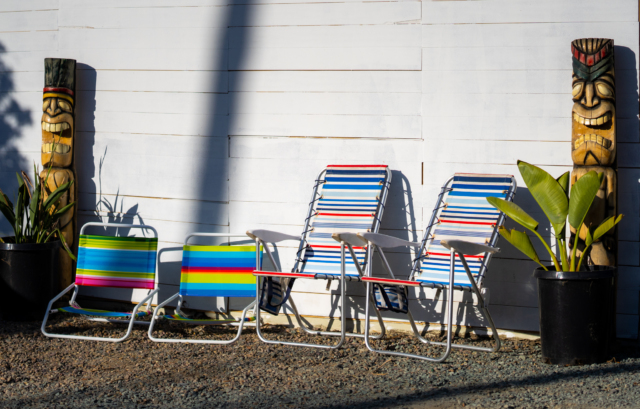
x=447 y=254
x=357 y=166
x=217 y=270
x=345 y=214
x=54 y=89
x=276 y=274
x=389 y=281
x=335 y=247
x=455 y=221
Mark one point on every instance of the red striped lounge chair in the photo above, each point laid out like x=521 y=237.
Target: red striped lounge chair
x=213 y=271
x=344 y=198
x=111 y=261
x=454 y=254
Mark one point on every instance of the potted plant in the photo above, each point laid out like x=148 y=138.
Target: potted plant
x=29 y=275
x=576 y=301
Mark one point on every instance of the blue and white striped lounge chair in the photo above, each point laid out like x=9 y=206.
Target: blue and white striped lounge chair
x=453 y=255
x=344 y=198
x=213 y=271
x=111 y=261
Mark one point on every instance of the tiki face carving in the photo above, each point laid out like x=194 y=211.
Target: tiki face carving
x=57 y=113
x=593 y=140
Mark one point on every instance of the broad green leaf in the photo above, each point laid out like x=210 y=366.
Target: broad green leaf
x=33 y=206
x=606 y=225
x=582 y=194
x=4 y=199
x=589 y=239
x=514 y=211
x=521 y=241
x=549 y=194
x=563 y=181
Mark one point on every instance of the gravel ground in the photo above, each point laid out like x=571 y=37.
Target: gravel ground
x=39 y=372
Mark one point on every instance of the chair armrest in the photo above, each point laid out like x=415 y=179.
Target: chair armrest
x=350 y=238
x=384 y=241
x=468 y=248
x=270 y=236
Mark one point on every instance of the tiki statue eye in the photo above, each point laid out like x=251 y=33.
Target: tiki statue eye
x=64 y=105
x=577 y=89
x=604 y=89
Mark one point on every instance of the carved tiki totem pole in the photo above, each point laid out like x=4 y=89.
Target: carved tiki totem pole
x=593 y=139
x=58 y=129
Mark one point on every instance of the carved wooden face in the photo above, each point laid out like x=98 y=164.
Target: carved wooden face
x=57 y=128
x=593 y=139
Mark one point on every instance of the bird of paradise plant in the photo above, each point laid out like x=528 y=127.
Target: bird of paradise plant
x=558 y=204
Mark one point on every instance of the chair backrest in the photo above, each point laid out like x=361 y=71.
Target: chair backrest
x=352 y=199
x=108 y=261
x=219 y=271
x=463 y=213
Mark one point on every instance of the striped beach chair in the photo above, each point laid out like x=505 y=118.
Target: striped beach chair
x=111 y=261
x=344 y=198
x=454 y=254
x=213 y=271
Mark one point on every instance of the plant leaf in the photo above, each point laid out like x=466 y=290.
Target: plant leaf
x=8 y=214
x=588 y=240
x=582 y=194
x=55 y=196
x=514 y=211
x=61 y=211
x=522 y=242
x=563 y=181
x=606 y=225
x=549 y=194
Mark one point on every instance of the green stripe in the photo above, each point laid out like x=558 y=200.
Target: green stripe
x=221 y=248
x=100 y=273
x=122 y=243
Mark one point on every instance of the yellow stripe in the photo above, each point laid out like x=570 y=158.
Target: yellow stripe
x=220 y=248
x=247 y=278
x=57 y=95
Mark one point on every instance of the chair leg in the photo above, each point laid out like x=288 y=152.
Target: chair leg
x=125 y=336
x=343 y=326
x=155 y=318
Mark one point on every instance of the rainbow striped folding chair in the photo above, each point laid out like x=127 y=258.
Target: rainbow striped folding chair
x=213 y=271
x=453 y=255
x=345 y=198
x=111 y=261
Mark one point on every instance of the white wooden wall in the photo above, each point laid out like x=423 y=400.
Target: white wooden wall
x=216 y=115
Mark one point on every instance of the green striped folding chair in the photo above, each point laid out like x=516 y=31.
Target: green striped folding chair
x=213 y=271
x=111 y=261
x=453 y=255
x=344 y=198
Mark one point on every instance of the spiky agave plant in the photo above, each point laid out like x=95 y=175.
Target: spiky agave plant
x=34 y=217
x=551 y=195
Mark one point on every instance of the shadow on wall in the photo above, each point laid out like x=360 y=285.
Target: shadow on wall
x=12 y=118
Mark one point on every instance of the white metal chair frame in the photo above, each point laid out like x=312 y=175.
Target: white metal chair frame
x=75 y=288
x=379 y=241
x=265 y=236
x=240 y=324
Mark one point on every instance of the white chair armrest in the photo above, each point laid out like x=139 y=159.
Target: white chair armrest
x=270 y=236
x=350 y=238
x=467 y=248
x=384 y=241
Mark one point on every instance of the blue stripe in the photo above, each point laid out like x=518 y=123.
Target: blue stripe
x=473 y=208
x=345 y=225
x=220 y=293
x=494 y=214
x=477 y=194
x=372 y=180
x=220 y=254
x=481 y=179
x=479 y=187
x=345 y=200
x=352 y=187
x=355 y=172
x=116 y=260
x=230 y=262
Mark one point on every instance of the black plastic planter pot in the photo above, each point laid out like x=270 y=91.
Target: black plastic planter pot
x=29 y=279
x=577 y=315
